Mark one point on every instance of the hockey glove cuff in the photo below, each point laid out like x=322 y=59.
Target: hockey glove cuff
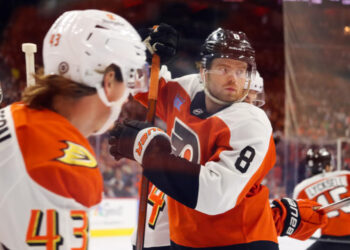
x=137 y=140
x=297 y=218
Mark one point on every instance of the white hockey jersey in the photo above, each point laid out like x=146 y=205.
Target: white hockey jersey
x=48 y=181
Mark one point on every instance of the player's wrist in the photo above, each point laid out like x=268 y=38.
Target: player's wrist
x=149 y=144
x=290 y=215
x=138 y=141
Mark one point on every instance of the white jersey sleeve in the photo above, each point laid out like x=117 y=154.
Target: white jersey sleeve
x=223 y=183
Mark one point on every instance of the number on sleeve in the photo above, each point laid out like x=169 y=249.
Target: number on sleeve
x=245 y=158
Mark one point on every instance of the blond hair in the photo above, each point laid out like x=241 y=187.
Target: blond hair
x=46 y=87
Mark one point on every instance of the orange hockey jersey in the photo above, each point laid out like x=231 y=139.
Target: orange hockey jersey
x=235 y=150
x=326 y=188
x=48 y=180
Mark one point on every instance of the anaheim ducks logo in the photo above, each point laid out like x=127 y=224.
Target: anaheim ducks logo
x=77 y=155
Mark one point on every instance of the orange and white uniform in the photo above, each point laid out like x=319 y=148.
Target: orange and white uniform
x=157 y=221
x=48 y=181
x=326 y=188
x=219 y=201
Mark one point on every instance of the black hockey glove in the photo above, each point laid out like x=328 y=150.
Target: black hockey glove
x=291 y=215
x=162 y=41
x=138 y=141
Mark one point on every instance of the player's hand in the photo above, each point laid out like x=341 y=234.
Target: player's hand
x=161 y=40
x=297 y=218
x=137 y=140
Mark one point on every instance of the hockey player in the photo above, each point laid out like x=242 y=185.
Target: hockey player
x=215 y=155
x=157 y=225
x=327 y=186
x=256 y=95
x=48 y=171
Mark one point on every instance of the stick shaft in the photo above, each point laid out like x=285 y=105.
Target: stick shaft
x=152 y=102
x=335 y=206
x=30 y=69
x=330 y=240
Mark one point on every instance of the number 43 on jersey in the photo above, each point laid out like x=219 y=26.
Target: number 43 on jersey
x=52 y=239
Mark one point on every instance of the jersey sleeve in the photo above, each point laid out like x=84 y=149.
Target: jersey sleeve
x=233 y=170
x=57 y=157
x=142 y=97
x=298 y=193
x=223 y=183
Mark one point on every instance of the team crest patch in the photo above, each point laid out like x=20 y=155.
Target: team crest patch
x=77 y=155
x=63 y=68
x=178 y=101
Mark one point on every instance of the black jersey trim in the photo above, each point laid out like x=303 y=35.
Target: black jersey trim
x=256 y=245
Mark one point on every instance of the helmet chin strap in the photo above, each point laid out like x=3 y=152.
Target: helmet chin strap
x=213 y=98
x=217 y=100
x=115 y=109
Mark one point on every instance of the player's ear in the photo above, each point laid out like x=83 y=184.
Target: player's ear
x=108 y=81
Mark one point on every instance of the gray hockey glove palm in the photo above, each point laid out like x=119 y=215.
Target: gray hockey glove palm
x=138 y=141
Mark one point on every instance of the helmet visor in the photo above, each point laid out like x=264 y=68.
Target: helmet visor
x=259 y=100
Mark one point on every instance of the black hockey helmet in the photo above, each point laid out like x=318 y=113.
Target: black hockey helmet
x=317 y=160
x=223 y=43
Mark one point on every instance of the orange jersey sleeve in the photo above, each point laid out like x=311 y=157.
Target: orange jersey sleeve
x=161 y=101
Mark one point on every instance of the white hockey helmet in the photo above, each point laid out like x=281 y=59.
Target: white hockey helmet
x=81 y=44
x=257 y=86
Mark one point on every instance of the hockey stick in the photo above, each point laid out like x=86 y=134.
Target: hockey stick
x=29 y=49
x=330 y=240
x=334 y=206
x=152 y=101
